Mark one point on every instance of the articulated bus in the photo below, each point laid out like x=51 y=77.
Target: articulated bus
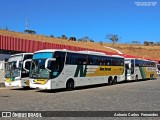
x=54 y=69
x=15 y=75
x=139 y=69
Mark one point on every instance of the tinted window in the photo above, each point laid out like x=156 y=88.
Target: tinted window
x=60 y=58
x=42 y=55
x=108 y=61
x=71 y=58
x=28 y=57
x=142 y=63
x=82 y=59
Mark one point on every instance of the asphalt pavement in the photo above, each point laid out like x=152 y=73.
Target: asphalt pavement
x=130 y=96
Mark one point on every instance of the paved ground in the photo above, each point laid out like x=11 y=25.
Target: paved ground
x=131 y=96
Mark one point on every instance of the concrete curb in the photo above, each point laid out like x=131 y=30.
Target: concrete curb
x=2 y=85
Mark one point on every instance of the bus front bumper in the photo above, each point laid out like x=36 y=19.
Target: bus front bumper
x=17 y=83
x=47 y=85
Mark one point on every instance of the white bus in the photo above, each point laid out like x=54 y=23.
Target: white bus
x=54 y=69
x=15 y=75
x=139 y=69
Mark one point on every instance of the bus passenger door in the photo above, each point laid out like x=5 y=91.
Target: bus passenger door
x=57 y=69
x=127 y=70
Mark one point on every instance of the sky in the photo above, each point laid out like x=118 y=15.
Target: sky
x=132 y=20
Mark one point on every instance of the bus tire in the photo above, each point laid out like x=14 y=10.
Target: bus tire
x=110 y=80
x=151 y=76
x=115 y=80
x=136 y=78
x=70 y=84
x=26 y=87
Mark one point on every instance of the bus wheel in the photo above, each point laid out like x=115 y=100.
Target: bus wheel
x=110 y=81
x=151 y=76
x=136 y=78
x=115 y=80
x=70 y=84
x=26 y=87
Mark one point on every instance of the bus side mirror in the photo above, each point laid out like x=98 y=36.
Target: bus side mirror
x=24 y=64
x=17 y=64
x=47 y=61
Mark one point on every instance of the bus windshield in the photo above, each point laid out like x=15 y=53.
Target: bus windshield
x=11 y=70
x=38 y=70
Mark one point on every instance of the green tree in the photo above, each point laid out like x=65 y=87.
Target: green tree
x=101 y=43
x=51 y=36
x=85 y=39
x=64 y=37
x=30 y=31
x=72 y=39
x=146 y=43
x=113 y=38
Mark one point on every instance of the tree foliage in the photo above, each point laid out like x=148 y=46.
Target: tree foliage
x=30 y=31
x=148 y=43
x=101 y=43
x=85 y=39
x=72 y=39
x=51 y=36
x=113 y=38
x=64 y=37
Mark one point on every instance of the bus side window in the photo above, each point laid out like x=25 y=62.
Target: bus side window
x=54 y=67
x=28 y=64
x=95 y=60
x=82 y=59
x=60 y=57
x=90 y=60
x=28 y=57
x=113 y=61
x=71 y=58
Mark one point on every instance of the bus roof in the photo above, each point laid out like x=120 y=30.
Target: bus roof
x=141 y=59
x=80 y=52
x=22 y=54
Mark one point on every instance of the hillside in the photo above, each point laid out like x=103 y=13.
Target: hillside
x=152 y=52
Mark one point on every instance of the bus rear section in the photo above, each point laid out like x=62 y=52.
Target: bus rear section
x=15 y=75
x=136 y=69
x=54 y=69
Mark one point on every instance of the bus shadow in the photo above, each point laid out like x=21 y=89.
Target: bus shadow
x=75 y=89
x=90 y=86
x=23 y=89
x=131 y=81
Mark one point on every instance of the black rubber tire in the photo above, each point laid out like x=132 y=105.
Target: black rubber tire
x=70 y=85
x=115 y=80
x=151 y=76
x=136 y=78
x=110 y=81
